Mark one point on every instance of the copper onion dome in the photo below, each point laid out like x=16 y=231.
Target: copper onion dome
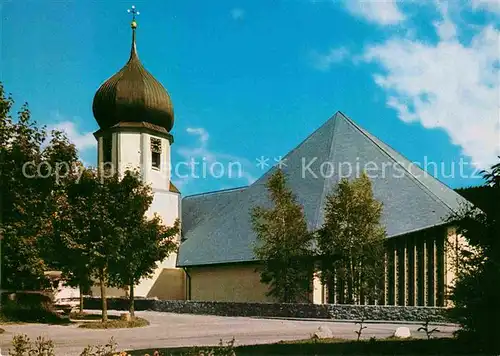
x=133 y=95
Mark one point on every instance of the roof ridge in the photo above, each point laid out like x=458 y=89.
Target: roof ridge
x=382 y=149
x=216 y=191
x=325 y=183
x=297 y=146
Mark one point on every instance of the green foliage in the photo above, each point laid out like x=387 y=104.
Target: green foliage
x=29 y=307
x=284 y=243
x=224 y=349
x=427 y=328
x=55 y=214
x=85 y=234
x=481 y=196
x=101 y=232
x=144 y=241
x=338 y=346
x=351 y=240
x=477 y=288
x=100 y=350
x=28 y=156
x=22 y=346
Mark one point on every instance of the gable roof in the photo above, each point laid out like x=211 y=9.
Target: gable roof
x=217 y=228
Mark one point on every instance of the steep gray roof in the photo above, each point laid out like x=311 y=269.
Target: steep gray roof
x=217 y=228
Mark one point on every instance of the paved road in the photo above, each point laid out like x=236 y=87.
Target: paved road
x=171 y=330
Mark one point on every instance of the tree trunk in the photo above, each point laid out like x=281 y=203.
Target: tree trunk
x=103 y=298
x=131 y=308
x=350 y=283
x=81 y=299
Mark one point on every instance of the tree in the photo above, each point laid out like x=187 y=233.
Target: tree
x=284 y=243
x=29 y=174
x=86 y=229
x=65 y=246
x=101 y=232
x=477 y=287
x=144 y=241
x=351 y=240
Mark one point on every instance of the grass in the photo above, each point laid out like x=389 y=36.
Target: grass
x=389 y=346
x=90 y=317
x=115 y=324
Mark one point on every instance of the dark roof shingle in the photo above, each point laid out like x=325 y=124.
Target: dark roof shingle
x=217 y=227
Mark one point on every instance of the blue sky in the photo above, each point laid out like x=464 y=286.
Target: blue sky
x=254 y=78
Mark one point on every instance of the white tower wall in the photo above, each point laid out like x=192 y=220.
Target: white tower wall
x=132 y=150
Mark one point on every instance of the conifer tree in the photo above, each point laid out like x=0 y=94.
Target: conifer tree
x=284 y=243
x=477 y=287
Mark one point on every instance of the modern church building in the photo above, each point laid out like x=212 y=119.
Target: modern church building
x=215 y=261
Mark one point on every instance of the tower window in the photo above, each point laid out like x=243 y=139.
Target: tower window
x=107 y=145
x=155 y=153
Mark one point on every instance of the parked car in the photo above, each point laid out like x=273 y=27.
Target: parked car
x=64 y=297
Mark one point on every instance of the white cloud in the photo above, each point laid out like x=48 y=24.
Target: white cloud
x=325 y=61
x=201 y=153
x=381 y=12
x=488 y=5
x=445 y=28
x=82 y=140
x=448 y=85
x=237 y=13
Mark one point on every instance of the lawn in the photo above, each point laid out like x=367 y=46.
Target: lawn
x=389 y=346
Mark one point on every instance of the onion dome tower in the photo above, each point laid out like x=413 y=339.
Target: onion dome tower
x=133 y=95
x=135 y=115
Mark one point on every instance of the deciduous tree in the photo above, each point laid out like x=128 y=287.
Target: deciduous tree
x=284 y=243
x=351 y=240
x=145 y=242
x=29 y=174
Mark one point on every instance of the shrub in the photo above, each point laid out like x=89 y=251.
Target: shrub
x=100 y=350
x=29 y=307
x=22 y=346
x=224 y=349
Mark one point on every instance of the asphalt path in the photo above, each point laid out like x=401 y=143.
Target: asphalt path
x=175 y=330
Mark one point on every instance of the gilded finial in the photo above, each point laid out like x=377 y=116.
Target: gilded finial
x=134 y=13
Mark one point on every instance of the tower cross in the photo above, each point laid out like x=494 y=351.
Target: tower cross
x=134 y=12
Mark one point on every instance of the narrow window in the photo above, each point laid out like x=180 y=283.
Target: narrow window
x=106 y=149
x=155 y=153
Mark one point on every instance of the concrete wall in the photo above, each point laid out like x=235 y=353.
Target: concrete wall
x=236 y=283
x=110 y=292
x=169 y=285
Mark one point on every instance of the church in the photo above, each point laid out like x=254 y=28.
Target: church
x=215 y=260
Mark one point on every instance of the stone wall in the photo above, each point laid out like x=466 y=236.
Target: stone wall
x=317 y=311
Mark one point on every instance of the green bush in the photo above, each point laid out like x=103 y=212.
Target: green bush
x=22 y=346
x=29 y=307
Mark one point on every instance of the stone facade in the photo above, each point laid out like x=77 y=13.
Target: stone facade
x=316 y=311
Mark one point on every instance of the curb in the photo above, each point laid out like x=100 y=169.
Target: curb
x=356 y=320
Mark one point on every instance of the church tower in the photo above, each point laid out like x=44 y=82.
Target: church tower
x=135 y=116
